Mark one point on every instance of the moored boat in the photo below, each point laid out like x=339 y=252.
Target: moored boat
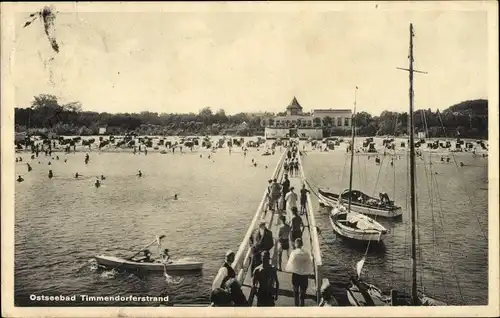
x=364 y=294
x=356 y=226
x=362 y=203
x=181 y=265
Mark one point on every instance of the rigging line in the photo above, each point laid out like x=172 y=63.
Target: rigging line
x=431 y=197
x=375 y=218
x=449 y=244
x=463 y=185
x=419 y=242
x=430 y=188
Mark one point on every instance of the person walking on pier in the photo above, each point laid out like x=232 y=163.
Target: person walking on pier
x=269 y=197
x=297 y=225
x=296 y=166
x=285 y=188
x=291 y=200
x=226 y=271
x=303 y=199
x=275 y=194
x=283 y=240
x=238 y=298
x=260 y=241
x=300 y=265
x=266 y=283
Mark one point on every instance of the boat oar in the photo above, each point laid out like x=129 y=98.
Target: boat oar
x=127 y=259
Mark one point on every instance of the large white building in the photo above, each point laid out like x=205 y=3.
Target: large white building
x=305 y=125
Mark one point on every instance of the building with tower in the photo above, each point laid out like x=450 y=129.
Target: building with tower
x=296 y=123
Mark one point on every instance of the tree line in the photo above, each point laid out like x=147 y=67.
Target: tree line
x=47 y=114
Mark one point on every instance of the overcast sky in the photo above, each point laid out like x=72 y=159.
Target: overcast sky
x=253 y=61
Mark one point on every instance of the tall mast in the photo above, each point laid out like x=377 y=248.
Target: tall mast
x=412 y=181
x=411 y=71
x=352 y=148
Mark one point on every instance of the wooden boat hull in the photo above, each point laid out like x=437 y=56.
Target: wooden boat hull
x=331 y=200
x=112 y=262
x=366 y=235
x=377 y=298
x=357 y=299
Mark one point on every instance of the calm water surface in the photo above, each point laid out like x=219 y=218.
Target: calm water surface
x=62 y=223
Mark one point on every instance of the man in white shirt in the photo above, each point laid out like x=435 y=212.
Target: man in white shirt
x=300 y=264
x=291 y=201
x=226 y=271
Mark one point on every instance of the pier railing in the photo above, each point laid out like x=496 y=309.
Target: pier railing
x=314 y=240
x=242 y=256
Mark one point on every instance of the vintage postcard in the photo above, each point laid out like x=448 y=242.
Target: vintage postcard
x=249 y=159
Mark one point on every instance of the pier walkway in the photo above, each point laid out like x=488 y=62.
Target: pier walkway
x=241 y=263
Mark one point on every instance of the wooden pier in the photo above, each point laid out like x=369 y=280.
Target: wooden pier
x=241 y=263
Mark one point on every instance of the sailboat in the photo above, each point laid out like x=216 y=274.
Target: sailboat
x=361 y=293
x=348 y=223
x=362 y=203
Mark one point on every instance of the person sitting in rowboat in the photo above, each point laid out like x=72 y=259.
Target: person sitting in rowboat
x=165 y=258
x=146 y=258
x=384 y=198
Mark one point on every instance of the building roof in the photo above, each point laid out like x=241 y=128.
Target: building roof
x=332 y=110
x=294 y=104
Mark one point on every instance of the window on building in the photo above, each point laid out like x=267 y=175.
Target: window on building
x=346 y=121
x=339 y=121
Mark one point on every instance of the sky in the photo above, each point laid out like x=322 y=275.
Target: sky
x=244 y=61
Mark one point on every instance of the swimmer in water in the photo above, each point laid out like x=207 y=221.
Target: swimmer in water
x=97 y=183
x=175 y=197
x=65 y=160
x=17 y=160
x=103 y=177
x=29 y=167
x=461 y=164
x=50 y=174
x=20 y=179
x=50 y=163
x=139 y=174
x=76 y=175
x=57 y=157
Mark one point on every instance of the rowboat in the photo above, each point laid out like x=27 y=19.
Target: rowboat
x=356 y=226
x=181 y=265
x=361 y=202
